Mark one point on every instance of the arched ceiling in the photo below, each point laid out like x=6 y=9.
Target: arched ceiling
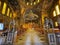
x=21 y=6
x=14 y=4
x=43 y=6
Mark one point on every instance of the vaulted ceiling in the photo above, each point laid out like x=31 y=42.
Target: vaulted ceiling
x=21 y=6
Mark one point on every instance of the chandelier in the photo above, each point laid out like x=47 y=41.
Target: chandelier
x=31 y=2
x=31 y=16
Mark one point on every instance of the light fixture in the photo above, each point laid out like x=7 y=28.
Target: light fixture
x=27 y=3
x=31 y=16
x=57 y=9
x=14 y=15
x=38 y=1
x=8 y=11
x=54 y=13
x=0 y=3
x=56 y=23
x=10 y=15
x=4 y=8
x=31 y=2
x=34 y=3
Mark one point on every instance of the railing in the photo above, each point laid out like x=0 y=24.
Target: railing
x=2 y=40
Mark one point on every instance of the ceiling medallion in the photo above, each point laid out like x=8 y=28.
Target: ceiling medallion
x=31 y=2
